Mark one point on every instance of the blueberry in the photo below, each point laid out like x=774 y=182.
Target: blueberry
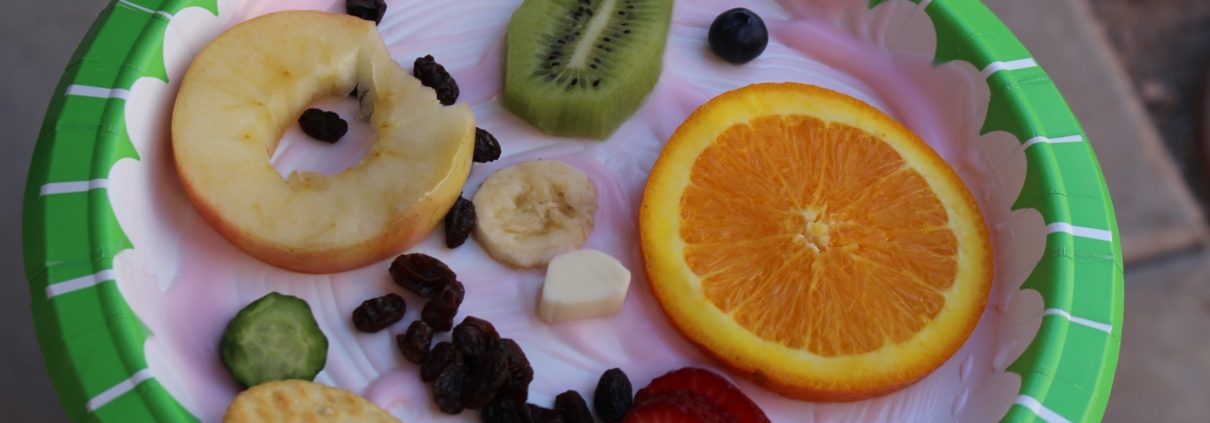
x=738 y=35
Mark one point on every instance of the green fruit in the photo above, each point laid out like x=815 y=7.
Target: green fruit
x=579 y=68
x=274 y=338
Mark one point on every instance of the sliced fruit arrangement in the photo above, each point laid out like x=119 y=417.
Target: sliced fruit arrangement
x=579 y=68
x=302 y=401
x=253 y=80
x=273 y=338
x=582 y=284
x=531 y=212
x=812 y=243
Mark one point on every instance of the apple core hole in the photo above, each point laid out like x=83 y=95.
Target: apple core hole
x=297 y=152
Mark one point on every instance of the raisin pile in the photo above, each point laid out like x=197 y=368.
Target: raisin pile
x=477 y=369
x=487 y=149
x=431 y=74
x=421 y=274
x=323 y=125
x=414 y=344
x=459 y=222
x=376 y=314
x=370 y=10
x=613 y=396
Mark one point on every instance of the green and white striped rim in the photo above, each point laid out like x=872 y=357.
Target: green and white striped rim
x=93 y=342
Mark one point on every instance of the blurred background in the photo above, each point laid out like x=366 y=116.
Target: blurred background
x=1134 y=71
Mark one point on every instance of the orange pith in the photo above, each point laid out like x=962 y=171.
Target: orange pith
x=808 y=240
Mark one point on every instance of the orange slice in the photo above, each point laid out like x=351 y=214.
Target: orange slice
x=813 y=244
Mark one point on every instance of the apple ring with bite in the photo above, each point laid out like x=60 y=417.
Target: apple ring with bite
x=254 y=80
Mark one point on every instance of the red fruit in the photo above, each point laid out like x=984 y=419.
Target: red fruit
x=672 y=412
x=716 y=391
x=693 y=404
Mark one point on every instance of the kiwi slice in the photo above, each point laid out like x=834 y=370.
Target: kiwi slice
x=579 y=68
x=274 y=338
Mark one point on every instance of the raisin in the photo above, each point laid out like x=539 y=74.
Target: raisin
x=613 y=396
x=414 y=344
x=458 y=222
x=370 y=10
x=505 y=410
x=520 y=373
x=487 y=149
x=439 y=312
x=421 y=274
x=433 y=75
x=435 y=362
x=447 y=387
x=323 y=125
x=376 y=314
x=457 y=290
x=573 y=408
x=474 y=336
x=488 y=373
x=540 y=414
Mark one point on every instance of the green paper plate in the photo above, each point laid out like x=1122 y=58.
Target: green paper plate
x=93 y=343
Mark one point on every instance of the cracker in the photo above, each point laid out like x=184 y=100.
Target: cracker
x=302 y=401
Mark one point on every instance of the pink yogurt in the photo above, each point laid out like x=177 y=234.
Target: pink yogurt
x=185 y=281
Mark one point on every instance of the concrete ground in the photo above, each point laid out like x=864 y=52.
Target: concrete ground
x=1163 y=375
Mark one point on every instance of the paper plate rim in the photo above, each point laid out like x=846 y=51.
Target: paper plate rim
x=92 y=342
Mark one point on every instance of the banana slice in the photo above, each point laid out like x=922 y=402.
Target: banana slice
x=582 y=285
x=531 y=212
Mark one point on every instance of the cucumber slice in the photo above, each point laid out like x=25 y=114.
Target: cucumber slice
x=274 y=338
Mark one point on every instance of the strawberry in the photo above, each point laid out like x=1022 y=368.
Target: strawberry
x=682 y=406
x=713 y=388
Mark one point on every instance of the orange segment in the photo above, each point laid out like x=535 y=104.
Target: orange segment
x=811 y=242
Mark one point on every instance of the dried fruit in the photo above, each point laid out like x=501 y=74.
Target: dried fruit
x=487 y=375
x=474 y=336
x=323 y=125
x=370 y=10
x=441 y=356
x=447 y=387
x=439 y=312
x=457 y=290
x=573 y=408
x=376 y=314
x=459 y=222
x=431 y=74
x=613 y=396
x=505 y=410
x=540 y=414
x=520 y=373
x=414 y=344
x=487 y=149
x=420 y=273
x=713 y=388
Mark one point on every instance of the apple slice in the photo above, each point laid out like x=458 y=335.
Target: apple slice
x=583 y=284
x=254 y=80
